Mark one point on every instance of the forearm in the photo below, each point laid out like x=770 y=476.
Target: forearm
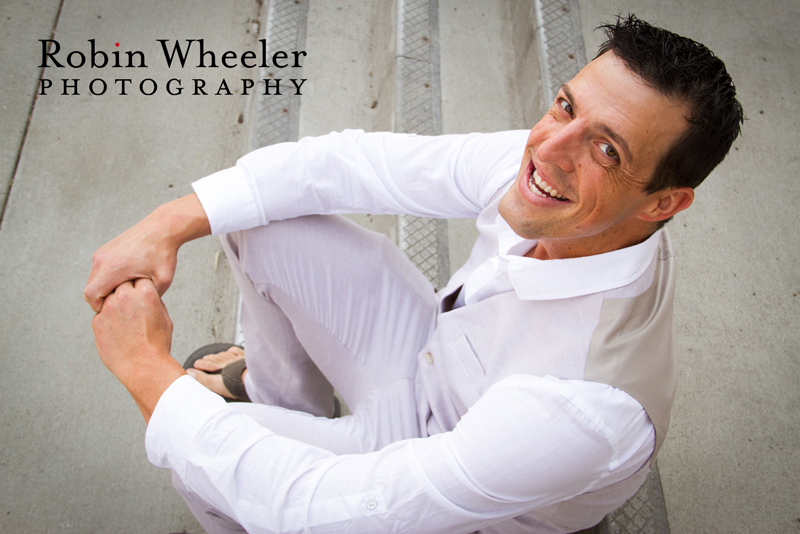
x=133 y=333
x=489 y=468
x=355 y=172
x=269 y=483
x=181 y=221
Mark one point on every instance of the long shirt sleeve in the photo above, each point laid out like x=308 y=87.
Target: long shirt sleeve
x=527 y=443
x=357 y=172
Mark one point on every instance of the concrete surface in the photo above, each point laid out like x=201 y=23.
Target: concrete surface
x=350 y=71
x=489 y=84
x=732 y=458
x=33 y=20
x=71 y=453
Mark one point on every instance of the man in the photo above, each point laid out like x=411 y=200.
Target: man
x=531 y=395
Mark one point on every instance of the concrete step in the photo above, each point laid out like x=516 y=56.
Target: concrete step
x=84 y=168
x=71 y=450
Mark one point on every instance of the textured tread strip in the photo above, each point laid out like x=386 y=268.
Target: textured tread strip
x=276 y=117
x=418 y=110
x=561 y=56
x=561 y=50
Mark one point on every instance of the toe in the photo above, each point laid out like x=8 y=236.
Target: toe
x=208 y=363
x=216 y=362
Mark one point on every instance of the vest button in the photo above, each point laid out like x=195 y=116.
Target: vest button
x=429 y=357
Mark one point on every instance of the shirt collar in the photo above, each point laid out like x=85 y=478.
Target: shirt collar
x=534 y=279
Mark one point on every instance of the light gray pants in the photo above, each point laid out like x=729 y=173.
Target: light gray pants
x=327 y=304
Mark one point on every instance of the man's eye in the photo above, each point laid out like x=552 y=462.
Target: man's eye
x=565 y=106
x=609 y=150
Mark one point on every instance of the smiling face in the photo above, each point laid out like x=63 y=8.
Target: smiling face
x=580 y=188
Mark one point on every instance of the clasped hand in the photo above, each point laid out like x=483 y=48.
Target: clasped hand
x=133 y=333
x=128 y=276
x=132 y=326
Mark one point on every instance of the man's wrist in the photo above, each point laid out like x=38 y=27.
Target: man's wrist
x=182 y=220
x=149 y=379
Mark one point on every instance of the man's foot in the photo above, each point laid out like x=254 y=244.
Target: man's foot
x=214 y=363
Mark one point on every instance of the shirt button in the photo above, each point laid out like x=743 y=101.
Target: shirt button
x=429 y=357
x=372 y=504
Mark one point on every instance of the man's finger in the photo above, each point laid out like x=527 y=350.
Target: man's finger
x=124 y=287
x=95 y=303
x=94 y=298
x=98 y=289
x=144 y=283
x=90 y=295
x=95 y=293
x=119 y=296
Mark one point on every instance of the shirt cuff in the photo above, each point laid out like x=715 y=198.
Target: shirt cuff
x=228 y=201
x=184 y=408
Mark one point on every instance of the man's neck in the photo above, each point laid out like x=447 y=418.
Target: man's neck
x=558 y=249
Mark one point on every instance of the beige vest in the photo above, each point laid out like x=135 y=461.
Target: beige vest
x=633 y=348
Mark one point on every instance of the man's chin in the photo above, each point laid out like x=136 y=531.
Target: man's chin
x=525 y=231
x=511 y=212
x=508 y=203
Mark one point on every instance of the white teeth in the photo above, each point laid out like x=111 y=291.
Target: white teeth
x=544 y=186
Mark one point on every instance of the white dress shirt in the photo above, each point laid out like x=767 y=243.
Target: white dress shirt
x=519 y=440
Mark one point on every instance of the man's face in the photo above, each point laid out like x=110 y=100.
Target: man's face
x=580 y=188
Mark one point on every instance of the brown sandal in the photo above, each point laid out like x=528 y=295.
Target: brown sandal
x=232 y=378
x=231 y=373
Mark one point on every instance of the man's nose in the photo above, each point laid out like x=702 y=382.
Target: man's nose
x=562 y=146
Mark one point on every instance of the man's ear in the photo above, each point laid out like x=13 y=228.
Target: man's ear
x=667 y=203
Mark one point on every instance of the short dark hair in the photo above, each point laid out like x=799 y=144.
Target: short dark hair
x=679 y=67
